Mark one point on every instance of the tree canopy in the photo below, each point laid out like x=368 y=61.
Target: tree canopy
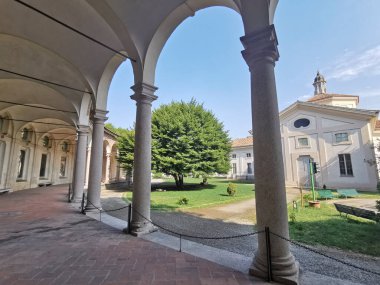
x=188 y=139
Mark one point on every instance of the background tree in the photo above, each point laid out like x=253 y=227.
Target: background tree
x=188 y=139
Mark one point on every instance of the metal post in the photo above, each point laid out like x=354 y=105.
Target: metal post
x=180 y=243
x=312 y=177
x=82 y=205
x=129 y=217
x=69 y=195
x=269 y=258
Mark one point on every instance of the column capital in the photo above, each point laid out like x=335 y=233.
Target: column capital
x=260 y=45
x=144 y=93
x=83 y=129
x=99 y=115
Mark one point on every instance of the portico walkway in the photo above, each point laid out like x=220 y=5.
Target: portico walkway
x=44 y=241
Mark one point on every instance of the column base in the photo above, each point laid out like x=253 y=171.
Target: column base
x=90 y=208
x=76 y=200
x=284 y=270
x=140 y=228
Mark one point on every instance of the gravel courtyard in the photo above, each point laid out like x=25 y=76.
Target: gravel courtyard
x=233 y=219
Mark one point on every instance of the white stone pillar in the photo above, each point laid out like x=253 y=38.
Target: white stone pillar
x=271 y=209
x=88 y=161
x=80 y=163
x=95 y=174
x=144 y=96
x=108 y=167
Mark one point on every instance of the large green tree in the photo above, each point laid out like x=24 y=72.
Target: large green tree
x=188 y=139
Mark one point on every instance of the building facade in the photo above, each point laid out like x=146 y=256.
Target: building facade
x=242 y=159
x=331 y=131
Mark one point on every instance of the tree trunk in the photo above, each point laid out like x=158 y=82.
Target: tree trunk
x=178 y=180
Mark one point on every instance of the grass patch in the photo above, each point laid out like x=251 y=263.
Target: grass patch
x=325 y=226
x=214 y=193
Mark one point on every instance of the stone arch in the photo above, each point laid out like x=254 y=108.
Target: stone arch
x=171 y=22
x=105 y=81
x=113 y=21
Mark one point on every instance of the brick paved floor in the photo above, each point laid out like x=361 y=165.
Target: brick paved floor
x=44 y=241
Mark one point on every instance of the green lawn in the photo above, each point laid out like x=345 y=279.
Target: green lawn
x=214 y=193
x=326 y=227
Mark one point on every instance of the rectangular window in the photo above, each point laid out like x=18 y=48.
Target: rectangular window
x=62 y=168
x=43 y=165
x=233 y=168
x=21 y=164
x=233 y=155
x=303 y=142
x=249 y=168
x=249 y=154
x=345 y=165
x=341 y=137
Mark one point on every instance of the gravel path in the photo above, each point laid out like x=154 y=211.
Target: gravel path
x=198 y=224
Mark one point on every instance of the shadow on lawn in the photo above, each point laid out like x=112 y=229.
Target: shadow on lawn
x=168 y=186
x=237 y=181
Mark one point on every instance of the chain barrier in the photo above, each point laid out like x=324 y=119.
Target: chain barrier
x=266 y=231
x=197 y=237
x=173 y=232
x=325 y=255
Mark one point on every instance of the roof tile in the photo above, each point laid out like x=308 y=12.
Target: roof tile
x=248 y=141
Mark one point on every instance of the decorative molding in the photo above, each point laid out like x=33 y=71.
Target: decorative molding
x=144 y=93
x=83 y=130
x=99 y=116
x=260 y=45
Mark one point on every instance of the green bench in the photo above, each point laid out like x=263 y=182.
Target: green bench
x=325 y=194
x=347 y=193
x=358 y=212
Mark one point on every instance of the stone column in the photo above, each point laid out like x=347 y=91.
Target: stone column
x=88 y=161
x=80 y=163
x=95 y=173
x=144 y=96
x=271 y=210
x=108 y=163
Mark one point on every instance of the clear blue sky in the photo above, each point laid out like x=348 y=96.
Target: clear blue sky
x=202 y=59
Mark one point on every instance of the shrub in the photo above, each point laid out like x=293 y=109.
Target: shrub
x=231 y=189
x=292 y=217
x=307 y=198
x=378 y=205
x=183 y=201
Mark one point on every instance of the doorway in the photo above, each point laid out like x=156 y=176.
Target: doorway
x=303 y=166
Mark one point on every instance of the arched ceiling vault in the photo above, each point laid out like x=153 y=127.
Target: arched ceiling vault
x=35 y=45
